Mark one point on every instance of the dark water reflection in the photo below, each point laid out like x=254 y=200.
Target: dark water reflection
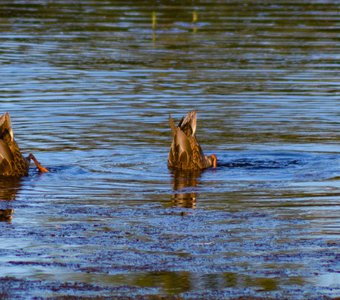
x=90 y=84
x=9 y=187
x=184 y=184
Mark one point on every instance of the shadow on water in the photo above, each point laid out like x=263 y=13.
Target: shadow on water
x=258 y=164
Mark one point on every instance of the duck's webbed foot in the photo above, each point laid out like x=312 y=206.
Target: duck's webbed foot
x=38 y=165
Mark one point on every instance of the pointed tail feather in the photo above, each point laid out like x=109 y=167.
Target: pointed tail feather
x=172 y=125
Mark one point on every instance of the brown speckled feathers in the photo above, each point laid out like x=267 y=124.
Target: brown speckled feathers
x=185 y=152
x=12 y=162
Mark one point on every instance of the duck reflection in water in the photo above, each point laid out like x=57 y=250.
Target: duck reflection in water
x=183 y=183
x=9 y=187
x=6 y=215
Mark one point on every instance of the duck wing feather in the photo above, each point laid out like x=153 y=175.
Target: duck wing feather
x=6 y=158
x=180 y=152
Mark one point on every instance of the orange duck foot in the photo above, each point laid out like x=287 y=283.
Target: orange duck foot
x=38 y=165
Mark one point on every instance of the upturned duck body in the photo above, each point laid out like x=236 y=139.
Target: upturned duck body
x=12 y=162
x=185 y=152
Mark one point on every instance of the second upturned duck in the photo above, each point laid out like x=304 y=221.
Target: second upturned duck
x=185 y=152
x=12 y=162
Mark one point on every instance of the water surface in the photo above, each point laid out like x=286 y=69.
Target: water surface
x=90 y=85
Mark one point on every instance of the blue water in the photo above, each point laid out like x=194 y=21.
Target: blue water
x=90 y=87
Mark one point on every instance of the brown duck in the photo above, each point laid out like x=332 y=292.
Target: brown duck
x=12 y=162
x=185 y=152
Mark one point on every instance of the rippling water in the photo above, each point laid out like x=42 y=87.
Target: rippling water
x=90 y=85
